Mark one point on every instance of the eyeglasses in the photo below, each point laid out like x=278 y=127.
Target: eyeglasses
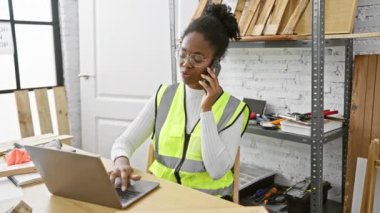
x=194 y=60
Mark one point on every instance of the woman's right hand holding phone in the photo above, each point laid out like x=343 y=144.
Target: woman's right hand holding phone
x=212 y=87
x=124 y=171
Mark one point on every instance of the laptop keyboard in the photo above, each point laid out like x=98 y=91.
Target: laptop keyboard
x=126 y=195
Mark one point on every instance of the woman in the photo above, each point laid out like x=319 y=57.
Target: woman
x=196 y=126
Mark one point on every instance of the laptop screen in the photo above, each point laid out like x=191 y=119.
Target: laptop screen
x=255 y=105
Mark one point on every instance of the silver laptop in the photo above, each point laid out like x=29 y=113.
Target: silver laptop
x=83 y=177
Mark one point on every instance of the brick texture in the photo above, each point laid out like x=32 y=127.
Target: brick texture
x=68 y=12
x=282 y=77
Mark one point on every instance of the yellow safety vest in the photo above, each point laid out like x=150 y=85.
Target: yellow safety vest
x=178 y=156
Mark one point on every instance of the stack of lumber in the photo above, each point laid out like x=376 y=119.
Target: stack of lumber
x=286 y=17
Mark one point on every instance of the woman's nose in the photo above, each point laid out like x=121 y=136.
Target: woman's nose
x=186 y=63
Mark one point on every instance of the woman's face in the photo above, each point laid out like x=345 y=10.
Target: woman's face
x=195 y=56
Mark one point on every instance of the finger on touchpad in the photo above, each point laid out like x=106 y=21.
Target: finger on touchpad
x=117 y=183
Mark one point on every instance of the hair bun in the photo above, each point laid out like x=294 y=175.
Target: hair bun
x=223 y=13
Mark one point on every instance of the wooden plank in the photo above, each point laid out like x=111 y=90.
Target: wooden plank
x=249 y=38
x=18 y=169
x=235 y=193
x=339 y=17
x=65 y=139
x=201 y=7
x=216 y=1
x=292 y=4
x=61 y=110
x=368 y=106
x=239 y=9
x=362 y=122
x=273 y=38
x=249 y=14
x=291 y=25
x=43 y=110
x=370 y=178
x=263 y=17
x=24 y=113
x=254 y=19
x=34 y=140
x=376 y=110
x=275 y=18
x=353 y=35
x=356 y=125
x=244 y=15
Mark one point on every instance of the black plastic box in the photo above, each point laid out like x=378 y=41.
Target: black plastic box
x=302 y=205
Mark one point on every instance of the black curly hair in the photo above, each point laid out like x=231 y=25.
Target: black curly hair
x=218 y=25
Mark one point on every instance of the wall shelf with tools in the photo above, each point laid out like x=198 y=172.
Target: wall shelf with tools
x=308 y=24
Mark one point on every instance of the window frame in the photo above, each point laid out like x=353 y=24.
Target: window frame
x=57 y=44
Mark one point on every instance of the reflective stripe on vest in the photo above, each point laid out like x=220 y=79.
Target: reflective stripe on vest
x=187 y=166
x=223 y=191
x=165 y=96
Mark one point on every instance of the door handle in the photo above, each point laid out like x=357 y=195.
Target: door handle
x=85 y=76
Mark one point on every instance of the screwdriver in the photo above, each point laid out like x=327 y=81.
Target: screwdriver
x=271 y=192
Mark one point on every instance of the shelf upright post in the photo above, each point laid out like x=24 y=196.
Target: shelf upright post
x=317 y=84
x=173 y=43
x=347 y=109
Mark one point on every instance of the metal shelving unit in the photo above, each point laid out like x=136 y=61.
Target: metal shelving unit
x=318 y=138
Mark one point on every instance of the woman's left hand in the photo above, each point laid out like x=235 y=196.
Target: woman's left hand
x=212 y=88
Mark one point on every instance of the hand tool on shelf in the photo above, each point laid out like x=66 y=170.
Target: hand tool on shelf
x=325 y=113
x=271 y=192
x=304 y=118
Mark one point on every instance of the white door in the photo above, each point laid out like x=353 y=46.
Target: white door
x=125 y=55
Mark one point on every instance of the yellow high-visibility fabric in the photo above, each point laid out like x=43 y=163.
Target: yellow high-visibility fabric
x=171 y=142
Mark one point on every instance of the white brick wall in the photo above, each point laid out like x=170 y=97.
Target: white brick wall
x=68 y=12
x=368 y=20
x=280 y=76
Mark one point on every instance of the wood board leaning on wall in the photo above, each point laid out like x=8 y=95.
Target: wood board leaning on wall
x=364 y=118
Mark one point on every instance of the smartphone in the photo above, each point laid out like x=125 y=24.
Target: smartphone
x=215 y=66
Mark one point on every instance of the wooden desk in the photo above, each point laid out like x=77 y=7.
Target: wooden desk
x=168 y=197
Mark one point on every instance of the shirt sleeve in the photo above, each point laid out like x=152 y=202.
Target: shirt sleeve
x=219 y=150
x=136 y=133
